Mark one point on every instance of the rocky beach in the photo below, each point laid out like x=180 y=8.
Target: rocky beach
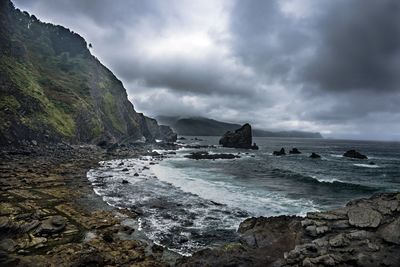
x=50 y=215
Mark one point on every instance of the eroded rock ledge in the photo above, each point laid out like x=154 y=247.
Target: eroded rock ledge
x=365 y=232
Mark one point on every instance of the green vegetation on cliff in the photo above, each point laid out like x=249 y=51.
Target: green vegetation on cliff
x=51 y=87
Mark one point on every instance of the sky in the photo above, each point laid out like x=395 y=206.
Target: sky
x=312 y=65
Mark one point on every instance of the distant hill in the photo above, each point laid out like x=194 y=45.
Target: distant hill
x=200 y=126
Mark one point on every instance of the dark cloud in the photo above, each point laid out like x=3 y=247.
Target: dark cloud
x=358 y=46
x=316 y=65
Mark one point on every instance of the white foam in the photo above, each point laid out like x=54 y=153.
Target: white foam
x=366 y=165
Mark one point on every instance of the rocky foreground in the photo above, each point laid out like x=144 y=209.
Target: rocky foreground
x=365 y=232
x=49 y=215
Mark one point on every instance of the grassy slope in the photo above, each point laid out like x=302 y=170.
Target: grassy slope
x=50 y=85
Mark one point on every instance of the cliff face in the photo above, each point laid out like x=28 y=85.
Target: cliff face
x=52 y=88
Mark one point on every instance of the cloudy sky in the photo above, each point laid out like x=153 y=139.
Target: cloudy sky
x=315 y=65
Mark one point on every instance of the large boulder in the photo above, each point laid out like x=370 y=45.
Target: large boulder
x=354 y=154
x=240 y=138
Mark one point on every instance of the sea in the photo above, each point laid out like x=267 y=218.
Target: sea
x=187 y=205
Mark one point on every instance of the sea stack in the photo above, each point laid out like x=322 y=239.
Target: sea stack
x=240 y=138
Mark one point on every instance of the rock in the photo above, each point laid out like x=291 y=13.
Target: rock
x=354 y=154
x=240 y=138
x=372 y=163
x=125 y=169
x=52 y=225
x=125 y=182
x=315 y=156
x=364 y=217
x=391 y=232
x=338 y=241
x=280 y=152
x=294 y=151
x=206 y=155
x=181 y=138
x=136 y=174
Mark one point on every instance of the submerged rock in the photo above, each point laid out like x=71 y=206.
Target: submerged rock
x=315 y=156
x=240 y=138
x=354 y=154
x=280 y=152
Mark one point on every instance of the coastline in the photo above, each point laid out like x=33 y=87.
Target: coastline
x=40 y=184
x=49 y=213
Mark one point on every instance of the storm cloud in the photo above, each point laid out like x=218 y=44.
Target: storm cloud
x=317 y=65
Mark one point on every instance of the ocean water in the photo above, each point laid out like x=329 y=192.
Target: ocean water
x=187 y=204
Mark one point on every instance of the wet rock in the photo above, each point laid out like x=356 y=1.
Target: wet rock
x=52 y=225
x=391 y=232
x=136 y=174
x=280 y=152
x=240 y=138
x=206 y=155
x=294 y=151
x=364 y=217
x=315 y=156
x=354 y=154
x=125 y=182
x=125 y=169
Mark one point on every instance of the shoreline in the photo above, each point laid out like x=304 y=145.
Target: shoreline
x=50 y=214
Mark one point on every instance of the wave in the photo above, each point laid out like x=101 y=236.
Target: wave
x=366 y=165
x=334 y=184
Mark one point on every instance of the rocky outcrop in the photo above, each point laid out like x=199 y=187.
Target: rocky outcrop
x=294 y=151
x=240 y=138
x=280 y=152
x=315 y=156
x=366 y=232
x=354 y=154
x=206 y=155
x=52 y=89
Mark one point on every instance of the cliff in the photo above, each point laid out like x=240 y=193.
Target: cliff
x=53 y=89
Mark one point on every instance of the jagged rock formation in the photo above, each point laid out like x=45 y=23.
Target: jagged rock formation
x=354 y=154
x=366 y=232
x=52 y=88
x=240 y=138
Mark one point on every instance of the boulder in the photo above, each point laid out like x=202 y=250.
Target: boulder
x=52 y=225
x=364 y=217
x=294 y=151
x=391 y=232
x=315 y=156
x=280 y=152
x=354 y=154
x=240 y=138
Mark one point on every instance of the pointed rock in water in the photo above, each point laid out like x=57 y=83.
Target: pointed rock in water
x=315 y=156
x=125 y=169
x=354 y=154
x=136 y=174
x=280 y=152
x=240 y=138
x=125 y=182
x=294 y=151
